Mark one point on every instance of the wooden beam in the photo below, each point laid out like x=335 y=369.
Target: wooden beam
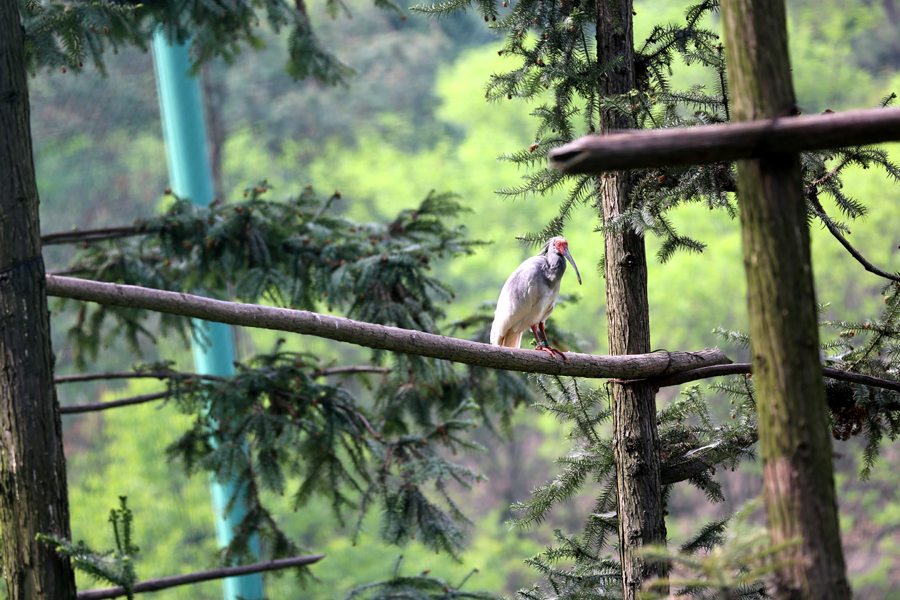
x=715 y=143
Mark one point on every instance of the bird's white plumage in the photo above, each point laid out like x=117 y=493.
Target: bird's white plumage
x=524 y=300
x=529 y=295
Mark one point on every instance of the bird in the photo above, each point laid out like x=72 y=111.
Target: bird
x=529 y=295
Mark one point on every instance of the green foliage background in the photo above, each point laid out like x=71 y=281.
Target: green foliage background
x=415 y=119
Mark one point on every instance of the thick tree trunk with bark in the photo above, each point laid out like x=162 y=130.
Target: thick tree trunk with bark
x=33 y=491
x=798 y=472
x=635 y=437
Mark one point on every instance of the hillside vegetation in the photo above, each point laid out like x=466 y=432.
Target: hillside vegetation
x=413 y=120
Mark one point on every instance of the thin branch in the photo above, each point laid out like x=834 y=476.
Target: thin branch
x=732 y=141
x=328 y=372
x=95 y=406
x=135 y=375
x=676 y=379
x=868 y=380
x=682 y=470
x=378 y=336
x=90 y=235
x=350 y=371
x=746 y=368
x=813 y=197
x=362 y=418
x=705 y=373
x=162 y=583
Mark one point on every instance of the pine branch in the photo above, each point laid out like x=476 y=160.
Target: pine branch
x=813 y=197
x=747 y=368
x=162 y=583
x=378 y=336
x=706 y=460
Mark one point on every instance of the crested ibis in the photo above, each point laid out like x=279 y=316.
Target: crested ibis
x=529 y=295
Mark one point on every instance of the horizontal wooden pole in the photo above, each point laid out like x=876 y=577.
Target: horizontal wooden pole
x=153 y=585
x=716 y=143
x=393 y=339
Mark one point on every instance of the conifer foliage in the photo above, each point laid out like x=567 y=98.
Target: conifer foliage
x=116 y=566
x=580 y=565
x=415 y=586
x=279 y=427
x=276 y=426
x=295 y=253
x=558 y=71
x=74 y=35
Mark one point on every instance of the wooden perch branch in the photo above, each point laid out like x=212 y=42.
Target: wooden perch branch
x=716 y=143
x=153 y=585
x=89 y=235
x=378 y=336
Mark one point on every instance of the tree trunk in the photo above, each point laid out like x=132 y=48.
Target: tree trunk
x=33 y=491
x=798 y=472
x=635 y=435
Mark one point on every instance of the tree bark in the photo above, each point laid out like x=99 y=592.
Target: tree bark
x=33 y=490
x=635 y=436
x=798 y=472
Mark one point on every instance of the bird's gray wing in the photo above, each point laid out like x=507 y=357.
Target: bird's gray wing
x=517 y=307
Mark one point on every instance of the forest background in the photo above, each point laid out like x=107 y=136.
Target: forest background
x=414 y=119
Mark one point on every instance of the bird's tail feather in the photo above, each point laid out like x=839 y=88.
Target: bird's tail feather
x=517 y=341
x=506 y=339
x=511 y=341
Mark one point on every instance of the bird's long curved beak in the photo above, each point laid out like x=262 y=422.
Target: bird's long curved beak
x=572 y=260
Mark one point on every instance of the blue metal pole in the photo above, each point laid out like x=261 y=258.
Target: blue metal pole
x=184 y=129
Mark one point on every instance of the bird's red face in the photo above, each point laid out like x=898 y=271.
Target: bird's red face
x=562 y=246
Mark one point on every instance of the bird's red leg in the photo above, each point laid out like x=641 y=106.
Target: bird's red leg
x=544 y=344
